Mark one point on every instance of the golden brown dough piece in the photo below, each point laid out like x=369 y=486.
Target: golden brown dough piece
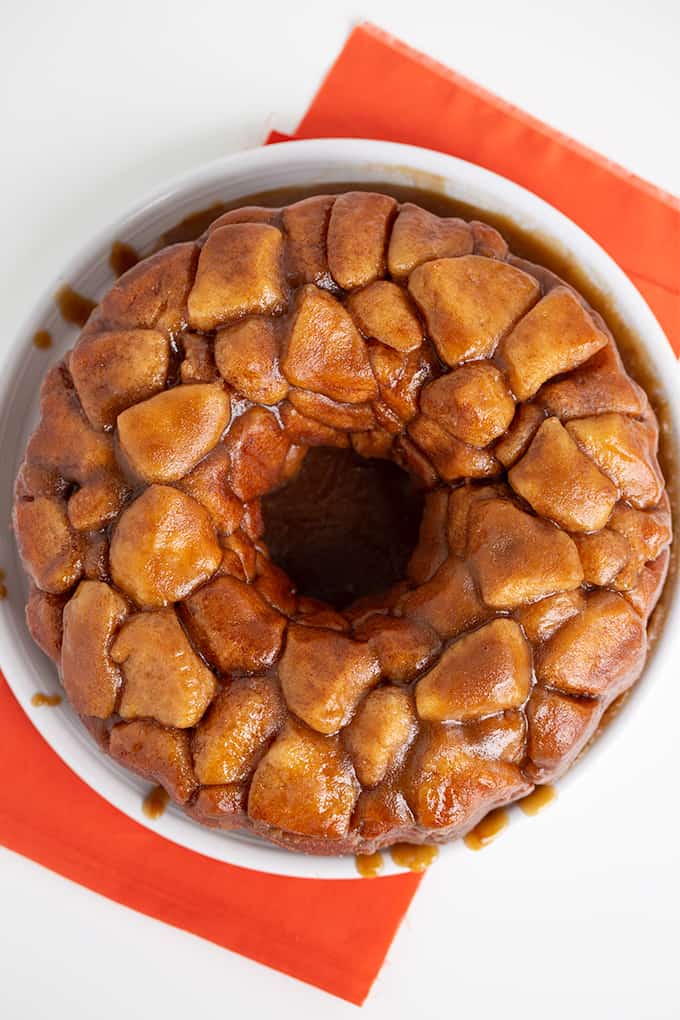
x=196 y=389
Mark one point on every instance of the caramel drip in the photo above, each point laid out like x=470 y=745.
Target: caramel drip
x=74 y=307
x=46 y=699
x=42 y=339
x=537 y=799
x=415 y=858
x=486 y=830
x=122 y=257
x=192 y=226
x=369 y=865
x=155 y=802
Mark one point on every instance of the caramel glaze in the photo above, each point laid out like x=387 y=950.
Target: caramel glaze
x=415 y=858
x=46 y=699
x=537 y=799
x=192 y=226
x=535 y=248
x=486 y=830
x=42 y=339
x=369 y=865
x=122 y=257
x=155 y=802
x=74 y=307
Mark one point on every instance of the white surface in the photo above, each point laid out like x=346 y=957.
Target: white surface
x=102 y=104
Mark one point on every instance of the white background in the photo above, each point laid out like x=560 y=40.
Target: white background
x=572 y=914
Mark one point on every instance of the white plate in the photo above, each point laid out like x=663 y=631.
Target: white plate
x=22 y=368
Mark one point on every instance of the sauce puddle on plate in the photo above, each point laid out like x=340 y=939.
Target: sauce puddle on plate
x=42 y=339
x=486 y=830
x=155 y=802
x=415 y=858
x=537 y=799
x=369 y=865
x=122 y=257
x=46 y=699
x=74 y=307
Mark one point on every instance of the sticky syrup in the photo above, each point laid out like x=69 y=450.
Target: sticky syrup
x=155 y=802
x=537 y=799
x=369 y=865
x=486 y=830
x=46 y=699
x=74 y=307
x=122 y=257
x=42 y=339
x=192 y=226
x=415 y=858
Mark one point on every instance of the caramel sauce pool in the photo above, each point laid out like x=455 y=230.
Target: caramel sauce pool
x=42 y=339
x=537 y=799
x=74 y=307
x=369 y=865
x=415 y=858
x=192 y=226
x=486 y=830
x=122 y=257
x=155 y=802
x=46 y=699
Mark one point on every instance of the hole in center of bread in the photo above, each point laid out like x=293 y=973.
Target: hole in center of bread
x=344 y=527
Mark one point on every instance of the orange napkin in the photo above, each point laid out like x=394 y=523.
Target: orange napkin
x=331 y=934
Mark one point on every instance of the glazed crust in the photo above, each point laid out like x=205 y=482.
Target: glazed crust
x=196 y=388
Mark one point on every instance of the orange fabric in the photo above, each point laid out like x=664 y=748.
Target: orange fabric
x=332 y=934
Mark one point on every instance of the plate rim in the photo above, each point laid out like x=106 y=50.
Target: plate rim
x=401 y=164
